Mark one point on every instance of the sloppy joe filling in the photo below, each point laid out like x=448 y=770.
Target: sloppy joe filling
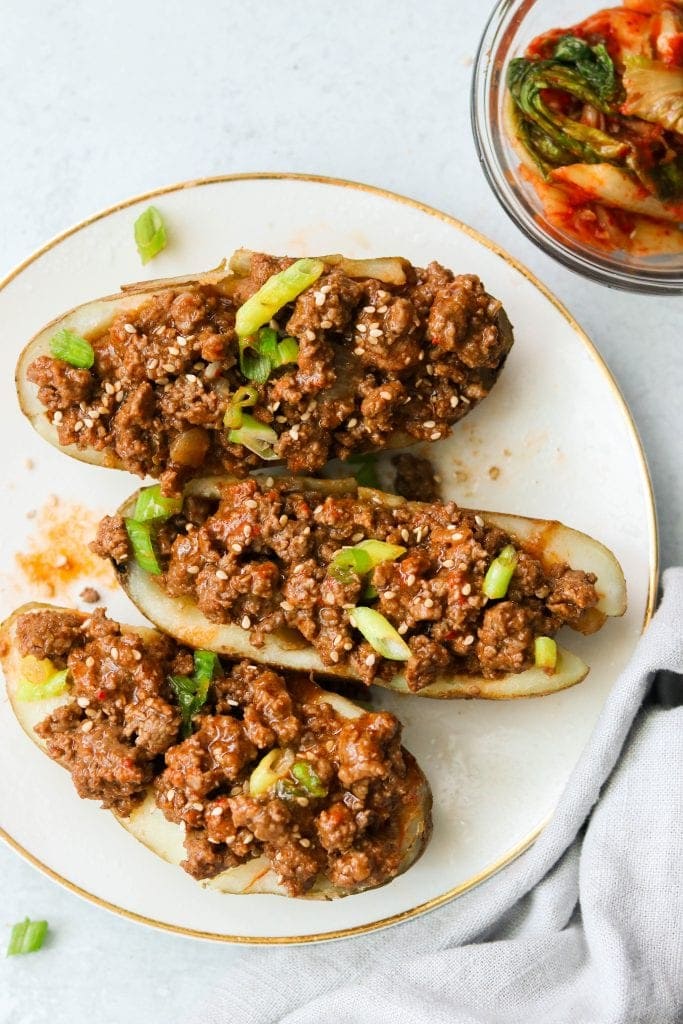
x=265 y=557
x=341 y=815
x=374 y=363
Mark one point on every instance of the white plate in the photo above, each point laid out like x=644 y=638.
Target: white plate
x=556 y=428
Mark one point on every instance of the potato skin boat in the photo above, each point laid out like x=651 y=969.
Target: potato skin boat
x=550 y=540
x=147 y=822
x=92 y=319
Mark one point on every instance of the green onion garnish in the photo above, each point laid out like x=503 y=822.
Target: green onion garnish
x=152 y=504
x=140 y=536
x=500 y=572
x=263 y=777
x=379 y=633
x=545 y=653
x=305 y=773
x=257 y=437
x=363 y=557
x=55 y=686
x=366 y=473
x=288 y=351
x=27 y=937
x=72 y=349
x=262 y=353
x=277 y=291
x=206 y=665
x=150 y=234
x=242 y=399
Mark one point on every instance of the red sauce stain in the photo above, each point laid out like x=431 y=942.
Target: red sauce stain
x=57 y=552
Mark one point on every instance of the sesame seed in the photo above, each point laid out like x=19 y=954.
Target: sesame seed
x=197 y=807
x=479 y=521
x=334 y=656
x=248 y=839
x=280 y=419
x=348 y=646
x=221 y=574
x=283 y=520
x=306 y=531
x=358 y=351
x=368 y=309
x=78 y=426
x=58 y=417
x=319 y=298
x=448 y=564
x=466 y=589
x=294 y=432
x=246 y=622
x=191 y=377
x=90 y=661
x=250 y=503
x=375 y=333
x=326 y=324
x=305 y=842
x=389 y=595
x=181 y=341
x=114 y=653
x=326 y=289
x=317 y=510
x=454 y=401
x=237 y=548
x=95 y=414
x=137 y=655
x=357 y=536
x=428 y=423
x=361 y=328
x=353 y=422
x=302 y=801
x=286 y=606
x=370 y=660
x=386 y=395
x=468 y=641
x=88 y=422
x=428 y=603
x=83 y=702
x=169 y=367
x=381 y=309
x=119 y=395
x=193 y=570
x=129 y=329
x=435 y=436
x=403 y=628
x=233 y=703
x=309 y=335
x=270 y=481
x=247 y=530
x=216 y=812
x=87 y=726
x=170 y=793
x=410 y=580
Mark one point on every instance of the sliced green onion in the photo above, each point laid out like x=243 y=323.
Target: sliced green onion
x=27 y=937
x=363 y=557
x=545 y=653
x=53 y=687
x=288 y=351
x=366 y=473
x=264 y=776
x=267 y=345
x=206 y=665
x=242 y=399
x=150 y=234
x=305 y=773
x=72 y=349
x=379 y=633
x=277 y=291
x=257 y=437
x=191 y=695
x=254 y=365
x=500 y=572
x=370 y=593
x=152 y=504
x=140 y=536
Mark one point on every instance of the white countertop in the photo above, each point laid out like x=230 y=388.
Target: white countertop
x=105 y=100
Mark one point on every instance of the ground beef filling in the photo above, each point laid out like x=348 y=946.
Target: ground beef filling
x=121 y=733
x=375 y=361
x=260 y=557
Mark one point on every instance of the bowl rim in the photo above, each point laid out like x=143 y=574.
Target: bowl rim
x=507 y=16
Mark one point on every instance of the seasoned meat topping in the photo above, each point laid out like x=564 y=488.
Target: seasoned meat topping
x=375 y=361
x=120 y=733
x=262 y=556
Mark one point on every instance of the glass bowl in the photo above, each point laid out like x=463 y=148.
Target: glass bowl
x=511 y=27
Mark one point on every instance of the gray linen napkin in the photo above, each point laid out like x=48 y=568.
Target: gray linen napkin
x=584 y=928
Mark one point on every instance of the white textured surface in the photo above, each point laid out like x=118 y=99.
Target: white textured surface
x=104 y=100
